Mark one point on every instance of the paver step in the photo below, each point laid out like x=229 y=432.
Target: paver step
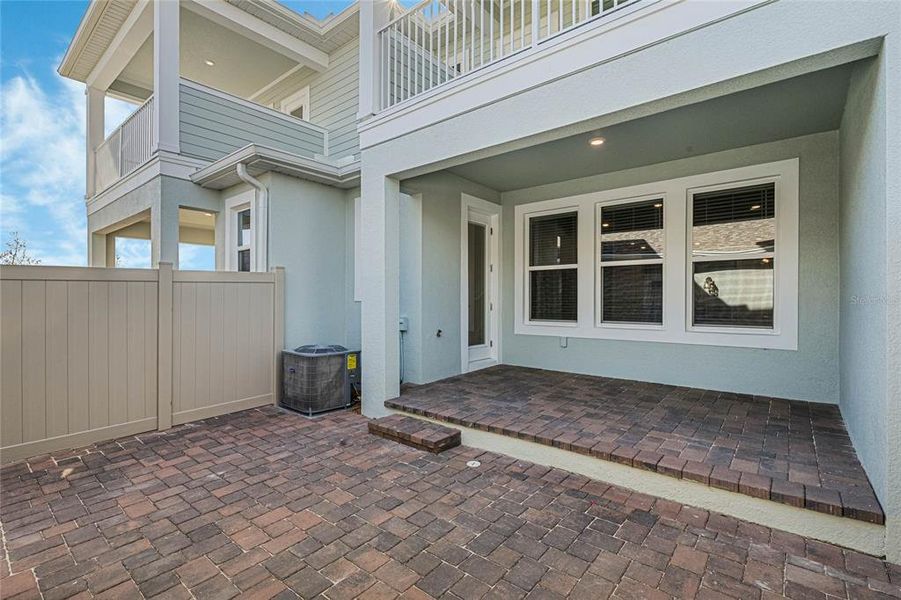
x=415 y=433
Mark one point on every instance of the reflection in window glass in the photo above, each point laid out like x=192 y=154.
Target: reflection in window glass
x=632 y=292
x=740 y=220
x=553 y=272
x=244 y=230
x=734 y=292
x=632 y=231
x=733 y=254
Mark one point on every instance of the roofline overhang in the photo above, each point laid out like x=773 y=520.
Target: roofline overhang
x=222 y=173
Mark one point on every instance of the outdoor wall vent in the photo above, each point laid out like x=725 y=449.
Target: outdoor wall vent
x=318 y=378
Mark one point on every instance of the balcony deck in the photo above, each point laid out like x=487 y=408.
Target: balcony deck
x=212 y=124
x=792 y=452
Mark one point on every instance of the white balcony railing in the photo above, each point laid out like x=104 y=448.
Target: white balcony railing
x=126 y=148
x=437 y=41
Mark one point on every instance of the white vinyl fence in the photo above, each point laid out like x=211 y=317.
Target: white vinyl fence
x=89 y=354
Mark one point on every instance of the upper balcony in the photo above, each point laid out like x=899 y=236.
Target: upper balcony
x=211 y=124
x=439 y=41
x=208 y=78
x=444 y=60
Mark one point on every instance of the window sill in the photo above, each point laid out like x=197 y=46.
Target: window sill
x=739 y=338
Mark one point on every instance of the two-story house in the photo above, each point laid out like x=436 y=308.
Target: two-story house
x=700 y=195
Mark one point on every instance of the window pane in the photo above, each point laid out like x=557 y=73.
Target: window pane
x=734 y=292
x=553 y=295
x=738 y=220
x=476 y=284
x=632 y=231
x=633 y=294
x=553 y=240
x=244 y=231
x=244 y=260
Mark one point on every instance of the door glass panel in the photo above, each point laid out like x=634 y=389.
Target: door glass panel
x=477 y=286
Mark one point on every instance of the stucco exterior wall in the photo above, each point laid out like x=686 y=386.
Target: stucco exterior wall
x=810 y=373
x=308 y=232
x=440 y=208
x=863 y=262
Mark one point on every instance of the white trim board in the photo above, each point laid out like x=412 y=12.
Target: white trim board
x=850 y=533
x=493 y=212
x=676 y=328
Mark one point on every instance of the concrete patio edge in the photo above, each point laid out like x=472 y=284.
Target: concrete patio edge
x=856 y=535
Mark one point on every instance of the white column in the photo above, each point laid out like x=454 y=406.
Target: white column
x=374 y=15
x=93 y=134
x=165 y=75
x=163 y=233
x=380 y=294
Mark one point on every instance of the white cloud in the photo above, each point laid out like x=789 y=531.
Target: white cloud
x=42 y=165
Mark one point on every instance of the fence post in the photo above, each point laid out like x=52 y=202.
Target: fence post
x=278 y=332
x=164 y=348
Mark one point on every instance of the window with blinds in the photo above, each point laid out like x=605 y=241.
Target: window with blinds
x=553 y=269
x=733 y=246
x=631 y=274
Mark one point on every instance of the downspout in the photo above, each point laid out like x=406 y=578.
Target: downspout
x=261 y=200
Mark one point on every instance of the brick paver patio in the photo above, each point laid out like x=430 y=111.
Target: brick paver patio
x=797 y=453
x=273 y=504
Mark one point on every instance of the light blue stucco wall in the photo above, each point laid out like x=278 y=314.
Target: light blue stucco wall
x=863 y=267
x=440 y=215
x=308 y=235
x=810 y=373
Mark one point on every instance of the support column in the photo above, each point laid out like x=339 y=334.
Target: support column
x=163 y=233
x=374 y=15
x=380 y=294
x=97 y=250
x=94 y=125
x=165 y=75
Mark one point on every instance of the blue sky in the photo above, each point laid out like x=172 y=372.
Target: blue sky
x=42 y=135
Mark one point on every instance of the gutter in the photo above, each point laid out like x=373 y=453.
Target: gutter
x=261 y=210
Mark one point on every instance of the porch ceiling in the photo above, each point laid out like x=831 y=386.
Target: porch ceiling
x=802 y=105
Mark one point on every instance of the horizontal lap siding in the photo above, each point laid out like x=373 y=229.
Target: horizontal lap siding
x=212 y=126
x=334 y=98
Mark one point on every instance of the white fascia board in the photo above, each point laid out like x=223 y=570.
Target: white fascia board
x=251 y=27
x=128 y=40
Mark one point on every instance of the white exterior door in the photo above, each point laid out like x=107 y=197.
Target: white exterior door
x=479 y=283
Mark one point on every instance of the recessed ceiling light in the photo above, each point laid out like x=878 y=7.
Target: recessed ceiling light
x=208 y=214
x=658 y=205
x=209 y=63
x=596 y=141
x=605 y=224
x=766 y=260
x=755 y=207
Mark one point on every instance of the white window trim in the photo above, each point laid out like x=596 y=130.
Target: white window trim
x=676 y=326
x=296 y=100
x=599 y=265
x=567 y=267
x=233 y=206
